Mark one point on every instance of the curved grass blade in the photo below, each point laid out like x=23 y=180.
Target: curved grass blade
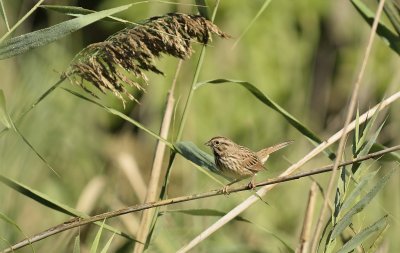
x=21 y=44
x=77 y=244
x=12 y=223
x=45 y=94
x=384 y=33
x=216 y=213
x=108 y=244
x=359 y=238
x=51 y=203
x=262 y=9
x=95 y=244
x=347 y=218
x=121 y=115
x=4 y=15
x=79 y=11
x=270 y=103
x=7 y=121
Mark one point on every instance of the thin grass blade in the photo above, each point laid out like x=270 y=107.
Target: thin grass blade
x=79 y=11
x=96 y=241
x=273 y=105
x=390 y=11
x=108 y=244
x=203 y=8
x=121 y=115
x=77 y=244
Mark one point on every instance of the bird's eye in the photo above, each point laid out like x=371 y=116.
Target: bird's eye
x=217 y=142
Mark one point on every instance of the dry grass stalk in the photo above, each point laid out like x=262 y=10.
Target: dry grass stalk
x=110 y=65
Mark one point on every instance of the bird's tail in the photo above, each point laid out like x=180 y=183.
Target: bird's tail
x=263 y=154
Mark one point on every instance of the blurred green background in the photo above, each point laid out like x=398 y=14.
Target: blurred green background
x=305 y=55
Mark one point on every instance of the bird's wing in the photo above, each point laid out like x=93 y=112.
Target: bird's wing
x=251 y=162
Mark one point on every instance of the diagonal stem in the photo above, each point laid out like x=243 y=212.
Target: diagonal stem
x=77 y=222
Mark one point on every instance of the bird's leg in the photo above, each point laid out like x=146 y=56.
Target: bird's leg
x=252 y=184
x=224 y=189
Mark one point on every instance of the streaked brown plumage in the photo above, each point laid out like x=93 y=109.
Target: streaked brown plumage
x=236 y=162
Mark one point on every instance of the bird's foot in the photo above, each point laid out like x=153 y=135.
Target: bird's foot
x=225 y=190
x=252 y=185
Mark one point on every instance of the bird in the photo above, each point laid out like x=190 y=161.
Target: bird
x=236 y=162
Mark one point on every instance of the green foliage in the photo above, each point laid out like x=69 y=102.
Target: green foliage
x=277 y=56
x=21 y=44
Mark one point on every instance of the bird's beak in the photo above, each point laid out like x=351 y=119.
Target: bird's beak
x=208 y=143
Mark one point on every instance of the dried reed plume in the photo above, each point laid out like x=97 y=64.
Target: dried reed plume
x=109 y=65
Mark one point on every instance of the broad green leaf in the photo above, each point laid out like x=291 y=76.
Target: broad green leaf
x=78 y=11
x=384 y=33
x=270 y=103
x=347 y=218
x=4 y=116
x=95 y=244
x=77 y=244
x=216 y=213
x=51 y=203
x=200 y=158
x=121 y=115
x=192 y=153
x=359 y=238
x=21 y=44
x=108 y=244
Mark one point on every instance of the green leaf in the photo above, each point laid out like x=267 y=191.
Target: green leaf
x=384 y=33
x=357 y=191
x=108 y=244
x=26 y=42
x=78 y=11
x=216 y=213
x=192 y=153
x=51 y=203
x=270 y=103
x=347 y=218
x=4 y=116
x=95 y=244
x=121 y=115
x=359 y=238
x=77 y=244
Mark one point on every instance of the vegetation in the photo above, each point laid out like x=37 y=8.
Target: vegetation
x=105 y=107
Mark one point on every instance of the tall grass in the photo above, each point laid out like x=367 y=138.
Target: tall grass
x=260 y=86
